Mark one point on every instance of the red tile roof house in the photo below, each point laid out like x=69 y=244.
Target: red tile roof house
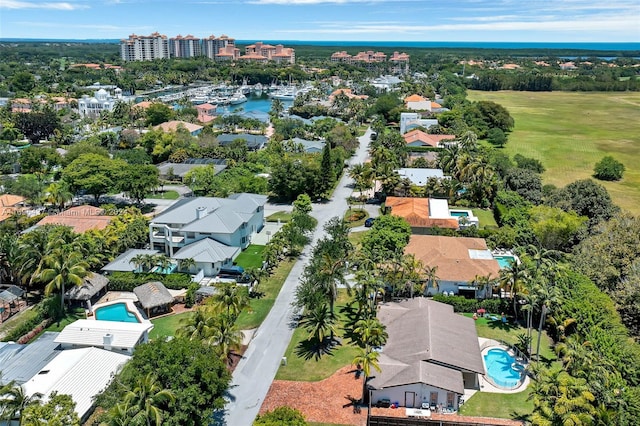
x=420 y=138
x=80 y=219
x=459 y=260
x=418 y=214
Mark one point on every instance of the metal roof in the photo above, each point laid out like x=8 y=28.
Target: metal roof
x=86 y=332
x=80 y=373
x=123 y=262
x=30 y=359
x=207 y=251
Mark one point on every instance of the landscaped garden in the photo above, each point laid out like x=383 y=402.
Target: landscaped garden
x=251 y=257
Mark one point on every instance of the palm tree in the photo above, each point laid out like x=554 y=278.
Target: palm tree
x=199 y=326
x=512 y=277
x=186 y=264
x=366 y=359
x=230 y=299
x=58 y=194
x=64 y=266
x=147 y=401
x=163 y=262
x=432 y=278
x=320 y=323
x=226 y=337
x=371 y=332
x=328 y=273
x=276 y=108
x=468 y=141
x=362 y=175
x=13 y=401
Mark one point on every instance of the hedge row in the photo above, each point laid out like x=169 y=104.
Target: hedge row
x=127 y=281
x=462 y=304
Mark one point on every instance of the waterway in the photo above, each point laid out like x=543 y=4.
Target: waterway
x=254 y=102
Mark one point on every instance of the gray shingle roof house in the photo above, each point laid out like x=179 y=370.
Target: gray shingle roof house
x=230 y=221
x=254 y=142
x=431 y=356
x=170 y=170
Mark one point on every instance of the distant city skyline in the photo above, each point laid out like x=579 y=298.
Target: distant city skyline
x=328 y=20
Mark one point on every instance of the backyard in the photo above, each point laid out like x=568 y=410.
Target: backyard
x=569 y=132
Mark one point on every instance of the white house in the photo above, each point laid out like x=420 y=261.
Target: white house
x=209 y=256
x=420 y=176
x=230 y=221
x=101 y=101
x=411 y=120
x=115 y=336
x=431 y=356
x=79 y=373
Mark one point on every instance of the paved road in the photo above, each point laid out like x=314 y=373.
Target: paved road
x=255 y=372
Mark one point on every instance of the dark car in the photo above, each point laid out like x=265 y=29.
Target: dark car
x=369 y=222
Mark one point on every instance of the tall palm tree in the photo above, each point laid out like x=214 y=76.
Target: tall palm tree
x=198 y=326
x=328 y=273
x=371 y=332
x=226 y=337
x=230 y=298
x=147 y=401
x=512 y=277
x=63 y=267
x=431 y=274
x=366 y=358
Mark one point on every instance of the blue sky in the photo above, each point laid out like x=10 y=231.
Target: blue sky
x=349 y=20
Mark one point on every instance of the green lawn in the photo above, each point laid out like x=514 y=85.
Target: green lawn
x=487 y=221
x=17 y=321
x=260 y=307
x=508 y=333
x=167 y=326
x=356 y=238
x=163 y=195
x=283 y=216
x=569 y=132
x=251 y=257
x=301 y=369
x=72 y=315
x=504 y=405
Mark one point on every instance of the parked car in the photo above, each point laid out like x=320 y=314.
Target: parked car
x=369 y=222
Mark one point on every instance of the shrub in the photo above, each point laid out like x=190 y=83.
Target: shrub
x=608 y=169
x=462 y=304
x=127 y=281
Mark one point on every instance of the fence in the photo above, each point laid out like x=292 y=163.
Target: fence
x=401 y=421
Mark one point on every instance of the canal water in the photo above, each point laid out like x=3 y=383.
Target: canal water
x=260 y=103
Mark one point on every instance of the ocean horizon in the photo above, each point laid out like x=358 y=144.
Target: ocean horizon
x=589 y=46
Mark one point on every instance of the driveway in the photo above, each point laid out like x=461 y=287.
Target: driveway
x=257 y=369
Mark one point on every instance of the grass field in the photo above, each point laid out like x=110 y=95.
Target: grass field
x=163 y=195
x=269 y=287
x=167 y=326
x=251 y=257
x=569 y=132
x=301 y=369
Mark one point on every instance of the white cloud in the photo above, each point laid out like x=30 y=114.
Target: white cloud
x=14 y=4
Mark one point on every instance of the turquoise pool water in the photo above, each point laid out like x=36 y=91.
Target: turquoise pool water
x=116 y=312
x=504 y=261
x=502 y=368
x=459 y=214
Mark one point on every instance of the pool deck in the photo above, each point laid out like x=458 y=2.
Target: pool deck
x=485 y=385
x=114 y=297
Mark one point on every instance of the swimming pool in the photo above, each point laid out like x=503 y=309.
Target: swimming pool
x=504 y=261
x=457 y=213
x=502 y=368
x=116 y=312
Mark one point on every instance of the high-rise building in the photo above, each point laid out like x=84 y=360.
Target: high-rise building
x=220 y=48
x=144 y=48
x=184 y=47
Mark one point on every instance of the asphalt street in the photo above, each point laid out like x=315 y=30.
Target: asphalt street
x=257 y=369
